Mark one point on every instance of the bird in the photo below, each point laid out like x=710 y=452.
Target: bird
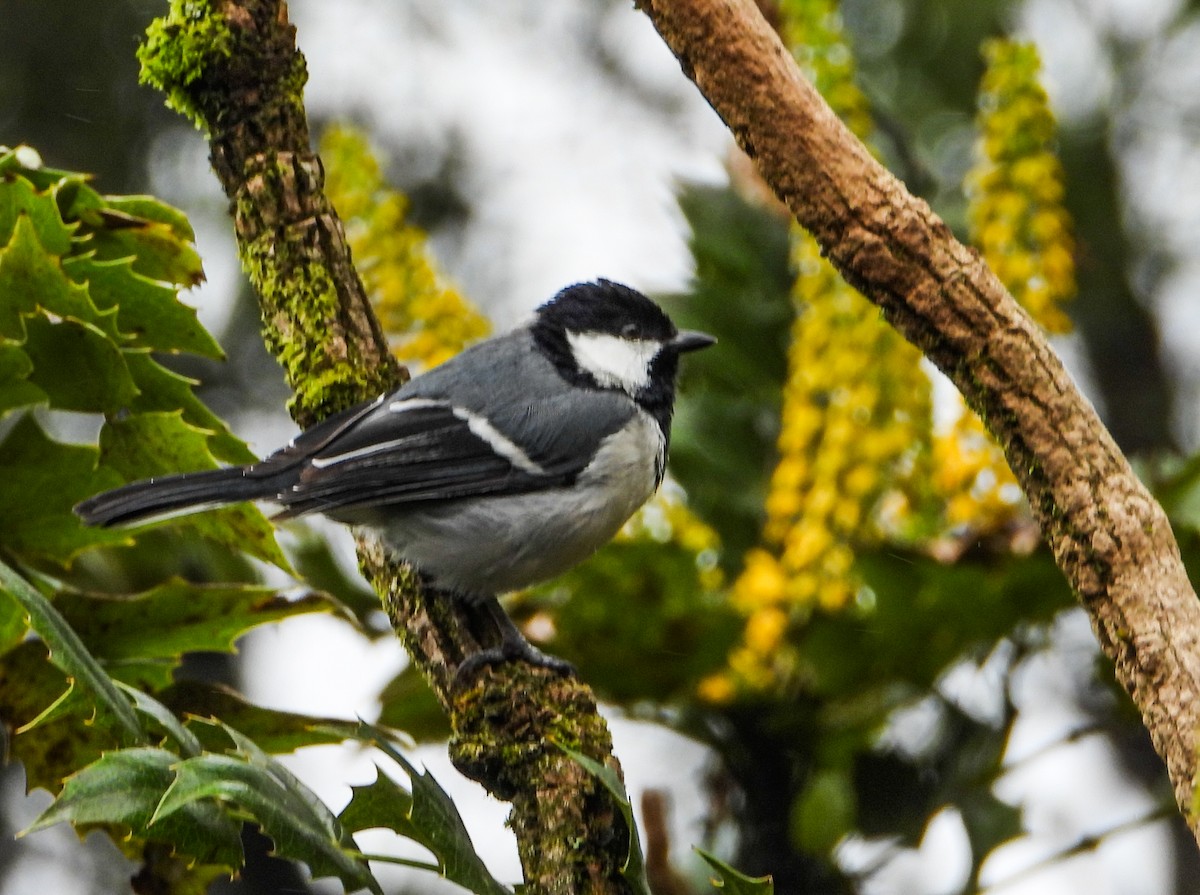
x=501 y=468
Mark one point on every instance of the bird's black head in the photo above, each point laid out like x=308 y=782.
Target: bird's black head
x=607 y=308
x=605 y=335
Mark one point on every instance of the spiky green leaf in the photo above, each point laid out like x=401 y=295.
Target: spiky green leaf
x=185 y=741
x=427 y=816
x=21 y=198
x=383 y=804
x=15 y=388
x=78 y=366
x=299 y=825
x=53 y=723
x=157 y=251
x=148 y=444
x=125 y=787
x=151 y=209
x=68 y=653
x=272 y=730
x=43 y=479
x=177 y=617
x=162 y=390
x=148 y=311
x=33 y=279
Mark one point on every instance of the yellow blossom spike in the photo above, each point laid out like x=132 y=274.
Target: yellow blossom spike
x=855 y=422
x=1020 y=225
x=854 y=426
x=426 y=320
x=1015 y=190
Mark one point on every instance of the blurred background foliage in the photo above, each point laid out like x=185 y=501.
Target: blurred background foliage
x=841 y=543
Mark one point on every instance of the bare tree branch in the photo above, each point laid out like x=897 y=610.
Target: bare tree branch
x=1108 y=535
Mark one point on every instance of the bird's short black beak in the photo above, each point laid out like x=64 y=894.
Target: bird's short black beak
x=691 y=340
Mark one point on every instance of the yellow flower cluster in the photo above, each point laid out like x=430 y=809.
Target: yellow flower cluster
x=427 y=321
x=854 y=432
x=855 y=418
x=971 y=478
x=859 y=462
x=855 y=422
x=1019 y=223
x=1017 y=216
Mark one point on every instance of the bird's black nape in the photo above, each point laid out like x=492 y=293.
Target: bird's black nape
x=606 y=307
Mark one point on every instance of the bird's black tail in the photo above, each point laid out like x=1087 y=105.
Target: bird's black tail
x=169 y=495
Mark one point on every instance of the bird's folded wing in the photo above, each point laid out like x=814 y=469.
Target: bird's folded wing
x=405 y=450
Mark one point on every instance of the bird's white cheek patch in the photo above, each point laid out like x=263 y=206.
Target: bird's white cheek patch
x=614 y=361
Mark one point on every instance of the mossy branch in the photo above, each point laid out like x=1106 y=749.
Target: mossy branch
x=232 y=66
x=1108 y=535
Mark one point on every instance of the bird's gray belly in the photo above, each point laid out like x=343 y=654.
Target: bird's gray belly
x=499 y=544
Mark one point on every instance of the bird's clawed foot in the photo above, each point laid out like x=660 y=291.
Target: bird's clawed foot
x=522 y=652
x=513 y=647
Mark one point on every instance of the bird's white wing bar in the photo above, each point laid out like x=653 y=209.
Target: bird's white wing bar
x=381 y=447
x=498 y=442
x=502 y=445
x=414 y=404
x=480 y=427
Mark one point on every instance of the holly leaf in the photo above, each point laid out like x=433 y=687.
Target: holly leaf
x=150 y=708
x=23 y=274
x=43 y=479
x=177 y=617
x=301 y=827
x=15 y=388
x=426 y=815
x=31 y=278
x=14 y=624
x=276 y=732
x=634 y=870
x=151 y=209
x=21 y=198
x=148 y=311
x=156 y=248
x=161 y=390
x=51 y=727
x=125 y=787
x=69 y=655
x=78 y=367
x=383 y=804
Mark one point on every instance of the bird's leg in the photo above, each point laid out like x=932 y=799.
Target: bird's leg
x=513 y=645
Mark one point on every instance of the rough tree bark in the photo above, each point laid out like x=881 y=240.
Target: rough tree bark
x=1108 y=535
x=233 y=67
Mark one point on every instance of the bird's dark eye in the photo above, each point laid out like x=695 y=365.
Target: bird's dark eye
x=629 y=331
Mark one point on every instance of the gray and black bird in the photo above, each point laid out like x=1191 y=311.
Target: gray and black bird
x=505 y=466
